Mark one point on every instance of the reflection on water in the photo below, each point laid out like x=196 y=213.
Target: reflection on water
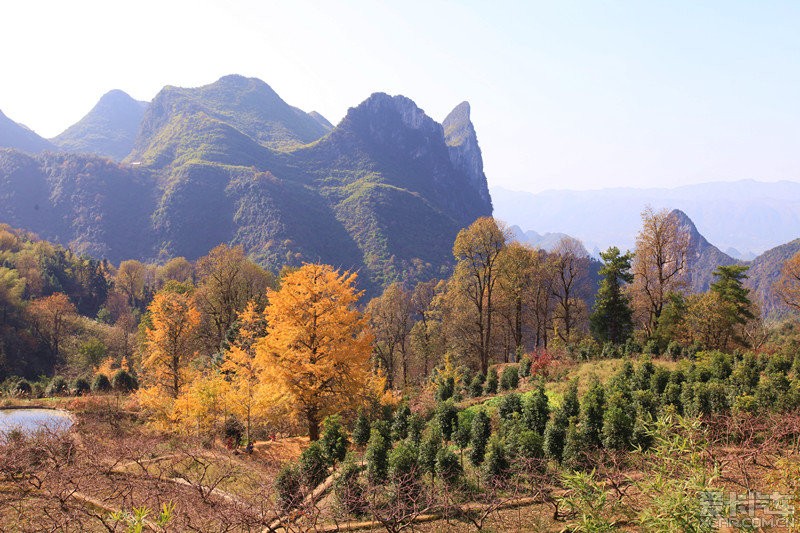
x=31 y=420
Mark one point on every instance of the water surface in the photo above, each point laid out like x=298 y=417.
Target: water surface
x=31 y=420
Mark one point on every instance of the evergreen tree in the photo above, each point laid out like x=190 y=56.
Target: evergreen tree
x=377 y=457
x=570 y=404
x=536 y=410
x=510 y=378
x=481 y=429
x=592 y=411
x=361 y=429
x=491 y=381
x=476 y=385
x=510 y=405
x=448 y=466
x=496 y=465
x=612 y=317
x=314 y=464
x=400 y=422
x=447 y=418
x=415 y=426
x=555 y=434
x=618 y=421
x=428 y=449
x=334 y=439
x=403 y=462
x=573 y=456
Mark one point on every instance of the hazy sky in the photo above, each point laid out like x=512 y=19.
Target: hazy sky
x=564 y=94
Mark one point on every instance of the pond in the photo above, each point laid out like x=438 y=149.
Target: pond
x=31 y=420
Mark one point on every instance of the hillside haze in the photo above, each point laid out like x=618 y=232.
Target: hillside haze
x=385 y=192
x=743 y=218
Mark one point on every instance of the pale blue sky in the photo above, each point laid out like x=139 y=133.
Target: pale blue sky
x=564 y=94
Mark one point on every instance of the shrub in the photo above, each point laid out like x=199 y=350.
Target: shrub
x=481 y=429
x=574 y=454
x=403 y=462
x=400 y=422
x=428 y=449
x=288 y=485
x=536 y=410
x=22 y=388
x=233 y=430
x=361 y=429
x=448 y=466
x=555 y=434
x=124 y=382
x=659 y=380
x=377 y=457
x=652 y=347
x=525 y=367
x=349 y=491
x=618 y=422
x=447 y=418
x=415 y=426
x=57 y=386
x=445 y=389
x=313 y=464
x=80 y=387
x=101 y=383
x=592 y=411
x=334 y=439
x=510 y=378
x=509 y=405
x=496 y=465
x=476 y=385
x=674 y=349
x=570 y=403
x=491 y=381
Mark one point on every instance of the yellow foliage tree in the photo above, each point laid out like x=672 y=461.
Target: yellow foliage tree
x=250 y=398
x=317 y=350
x=169 y=347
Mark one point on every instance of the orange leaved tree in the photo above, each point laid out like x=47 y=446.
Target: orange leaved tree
x=317 y=349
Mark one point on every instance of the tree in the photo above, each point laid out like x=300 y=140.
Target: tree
x=317 y=350
x=612 y=317
x=53 y=319
x=377 y=456
x=730 y=288
x=481 y=430
x=130 y=281
x=227 y=281
x=536 y=409
x=361 y=429
x=659 y=264
x=247 y=390
x=169 y=345
x=515 y=278
x=391 y=318
x=571 y=280
x=477 y=249
x=788 y=285
x=593 y=407
x=555 y=434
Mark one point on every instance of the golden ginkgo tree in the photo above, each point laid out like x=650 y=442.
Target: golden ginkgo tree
x=316 y=354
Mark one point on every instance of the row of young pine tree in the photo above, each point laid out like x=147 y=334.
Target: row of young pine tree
x=405 y=447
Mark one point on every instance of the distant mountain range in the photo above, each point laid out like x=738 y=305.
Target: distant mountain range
x=743 y=218
x=384 y=192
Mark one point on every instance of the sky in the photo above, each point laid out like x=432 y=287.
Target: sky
x=564 y=94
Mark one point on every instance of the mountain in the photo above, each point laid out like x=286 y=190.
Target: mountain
x=109 y=129
x=14 y=135
x=703 y=257
x=765 y=271
x=225 y=121
x=384 y=192
x=546 y=241
x=766 y=214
